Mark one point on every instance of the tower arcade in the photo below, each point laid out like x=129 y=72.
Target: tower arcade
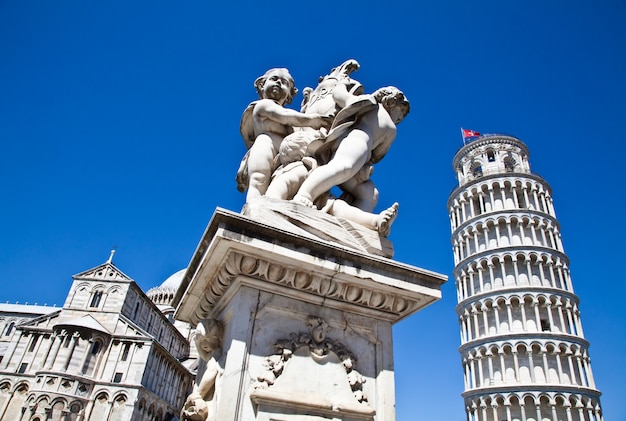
x=523 y=350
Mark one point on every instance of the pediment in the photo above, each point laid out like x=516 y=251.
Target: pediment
x=104 y=272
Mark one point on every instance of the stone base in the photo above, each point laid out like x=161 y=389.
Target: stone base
x=307 y=324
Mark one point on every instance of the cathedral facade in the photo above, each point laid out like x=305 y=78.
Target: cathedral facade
x=110 y=353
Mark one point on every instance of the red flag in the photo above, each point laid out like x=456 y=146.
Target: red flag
x=468 y=133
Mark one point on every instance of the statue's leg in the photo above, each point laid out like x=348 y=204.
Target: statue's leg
x=260 y=166
x=362 y=195
x=351 y=155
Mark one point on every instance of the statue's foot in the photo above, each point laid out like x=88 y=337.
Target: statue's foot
x=303 y=201
x=386 y=218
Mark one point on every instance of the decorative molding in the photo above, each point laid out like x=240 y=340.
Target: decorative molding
x=326 y=286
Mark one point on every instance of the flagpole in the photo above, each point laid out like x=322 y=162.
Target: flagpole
x=462 y=137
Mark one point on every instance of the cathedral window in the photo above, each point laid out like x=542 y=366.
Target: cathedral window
x=9 y=329
x=33 y=343
x=95 y=299
x=117 y=378
x=545 y=325
x=23 y=368
x=125 y=352
x=491 y=156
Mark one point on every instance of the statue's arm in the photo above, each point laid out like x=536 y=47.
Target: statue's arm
x=267 y=109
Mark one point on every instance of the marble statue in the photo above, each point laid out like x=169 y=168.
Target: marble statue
x=335 y=140
x=208 y=341
x=264 y=125
x=363 y=143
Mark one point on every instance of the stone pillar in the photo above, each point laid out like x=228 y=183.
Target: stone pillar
x=306 y=324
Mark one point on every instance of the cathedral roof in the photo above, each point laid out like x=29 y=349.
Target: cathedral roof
x=174 y=280
x=85 y=323
x=105 y=272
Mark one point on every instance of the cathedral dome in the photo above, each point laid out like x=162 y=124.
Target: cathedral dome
x=163 y=295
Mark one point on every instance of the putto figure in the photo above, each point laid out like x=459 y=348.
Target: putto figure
x=364 y=143
x=335 y=140
x=199 y=406
x=264 y=125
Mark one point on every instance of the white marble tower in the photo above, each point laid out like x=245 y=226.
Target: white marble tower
x=524 y=353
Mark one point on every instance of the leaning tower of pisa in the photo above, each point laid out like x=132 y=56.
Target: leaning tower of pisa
x=524 y=354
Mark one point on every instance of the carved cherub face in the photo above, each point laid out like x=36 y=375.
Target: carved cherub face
x=276 y=84
x=398 y=111
x=394 y=101
x=208 y=337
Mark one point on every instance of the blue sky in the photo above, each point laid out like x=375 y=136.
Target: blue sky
x=119 y=123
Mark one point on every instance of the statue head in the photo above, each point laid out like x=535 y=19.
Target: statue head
x=394 y=101
x=208 y=337
x=276 y=84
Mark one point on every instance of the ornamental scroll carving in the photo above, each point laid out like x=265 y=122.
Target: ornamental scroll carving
x=300 y=279
x=320 y=347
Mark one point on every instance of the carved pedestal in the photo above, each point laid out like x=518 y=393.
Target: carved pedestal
x=307 y=323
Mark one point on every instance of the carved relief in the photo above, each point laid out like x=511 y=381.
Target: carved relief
x=199 y=406
x=319 y=347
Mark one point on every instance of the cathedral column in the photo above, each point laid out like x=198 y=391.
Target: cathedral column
x=57 y=347
x=75 y=339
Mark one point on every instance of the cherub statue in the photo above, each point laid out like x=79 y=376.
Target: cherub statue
x=265 y=123
x=208 y=342
x=358 y=143
x=296 y=167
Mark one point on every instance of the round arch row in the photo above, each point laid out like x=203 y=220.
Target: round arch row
x=498 y=194
x=549 y=362
x=528 y=312
x=512 y=269
x=534 y=406
x=508 y=230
